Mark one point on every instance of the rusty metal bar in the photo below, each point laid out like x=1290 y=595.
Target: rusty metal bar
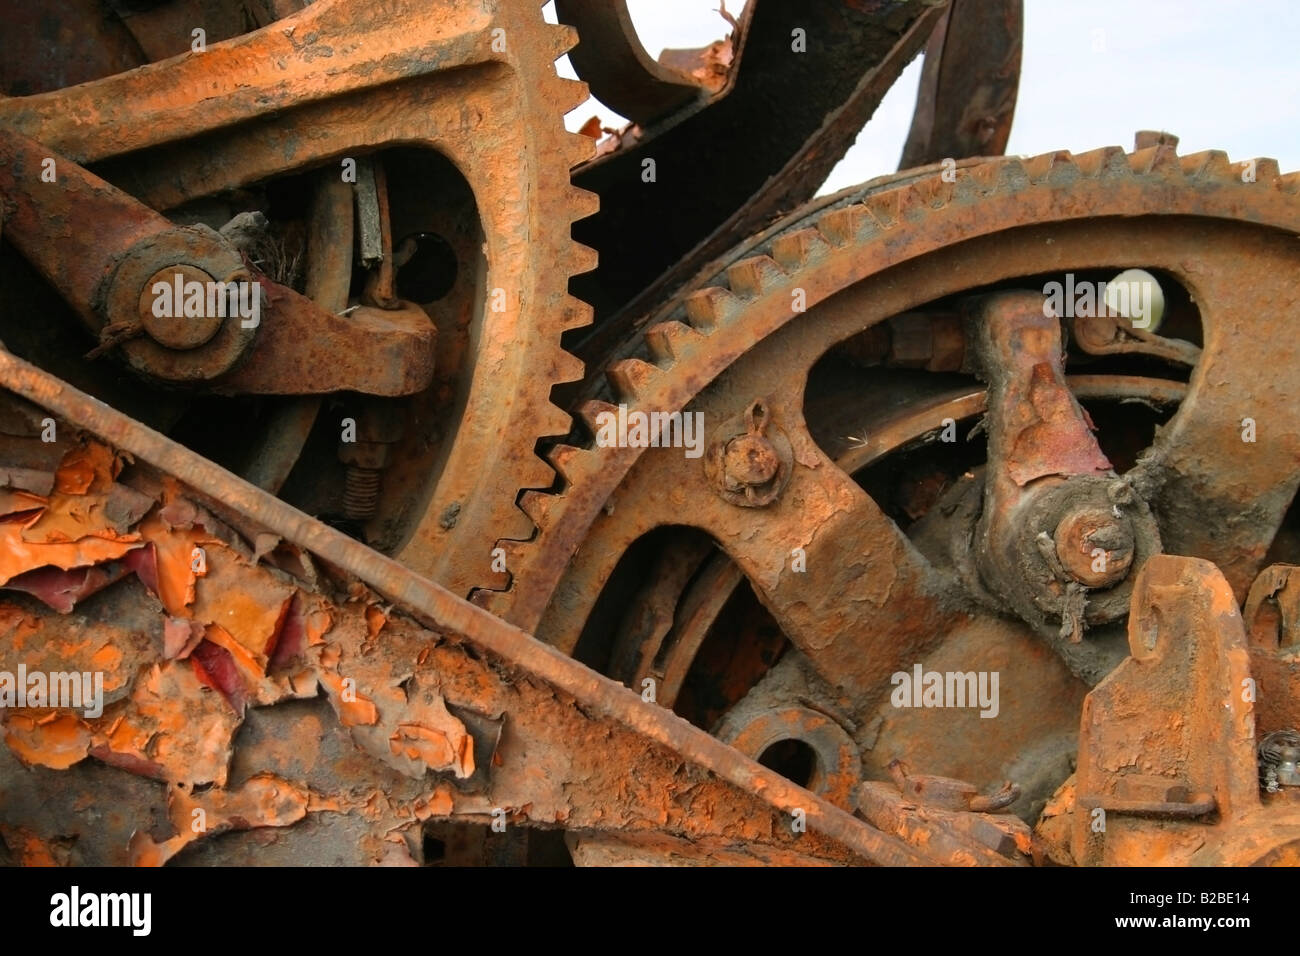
x=448 y=612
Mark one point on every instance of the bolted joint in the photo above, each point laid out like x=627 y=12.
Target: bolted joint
x=749 y=461
x=1095 y=548
x=380 y=424
x=1065 y=554
x=178 y=345
x=177 y=330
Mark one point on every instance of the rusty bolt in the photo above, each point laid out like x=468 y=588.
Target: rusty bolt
x=749 y=461
x=177 y=331
x=380 y=424
x=747 y=465
x=1094 y=547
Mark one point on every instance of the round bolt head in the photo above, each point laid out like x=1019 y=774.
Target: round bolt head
x=750 y=461
x=174 y=329
x=1094 y=547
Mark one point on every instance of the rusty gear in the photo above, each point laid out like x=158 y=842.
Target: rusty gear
x=956 y=574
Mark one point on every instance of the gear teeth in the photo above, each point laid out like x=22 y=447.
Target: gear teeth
x=1266 y=170
x=847 y=225
x=516 y=554
x=493 y=601
x=563 y=38
x=536 y=473
x=576 y=150
x=575 y=314
x=753 y=276
x=496 y=580
x=1103 y=163
x=930 y=192
x=568 y=368
x=1056 y=168
x=706 y=309
x=671 y=341
x=537 y=505
x=563 y=459
x=581 y=258
x=586 y=203
x=1156 y=161
x=631 y=378
x=984 y=177
x=796 y=249
x=885 y=209
x=1210 y=164
x=997 y=175
x=553 y=419
x=590 y=412
x=569 y=95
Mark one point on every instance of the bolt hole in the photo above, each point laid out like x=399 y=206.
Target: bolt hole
x=430 y=271
x=792 y=759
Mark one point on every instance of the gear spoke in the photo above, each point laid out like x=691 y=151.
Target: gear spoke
x=846 y=586
x=1222 y=473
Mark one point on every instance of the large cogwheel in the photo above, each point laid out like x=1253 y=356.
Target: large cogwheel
x=865 y=579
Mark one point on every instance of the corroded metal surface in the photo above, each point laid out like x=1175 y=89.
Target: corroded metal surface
x=860 y=546
x=1149 y=788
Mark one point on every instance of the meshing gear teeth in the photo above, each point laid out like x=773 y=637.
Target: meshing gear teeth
x=533 y=416
x=841 y=239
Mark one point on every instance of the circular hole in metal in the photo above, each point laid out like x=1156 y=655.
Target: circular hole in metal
x=792 y=759
x=429 y=270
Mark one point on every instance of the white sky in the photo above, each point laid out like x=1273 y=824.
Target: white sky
x=1220 y=74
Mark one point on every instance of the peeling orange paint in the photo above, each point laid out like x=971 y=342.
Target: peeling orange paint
x=57 y=742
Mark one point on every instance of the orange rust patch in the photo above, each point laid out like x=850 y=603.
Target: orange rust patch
x=18 y=555
x=57 y=741
x=30 y=848
x=264 y=801
x=175 y=725
x=174 y=548
x=86 y=468
x=247 y=602
x=375 y=621
x=14 y=501
x=443 y=747
x=353 y=708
